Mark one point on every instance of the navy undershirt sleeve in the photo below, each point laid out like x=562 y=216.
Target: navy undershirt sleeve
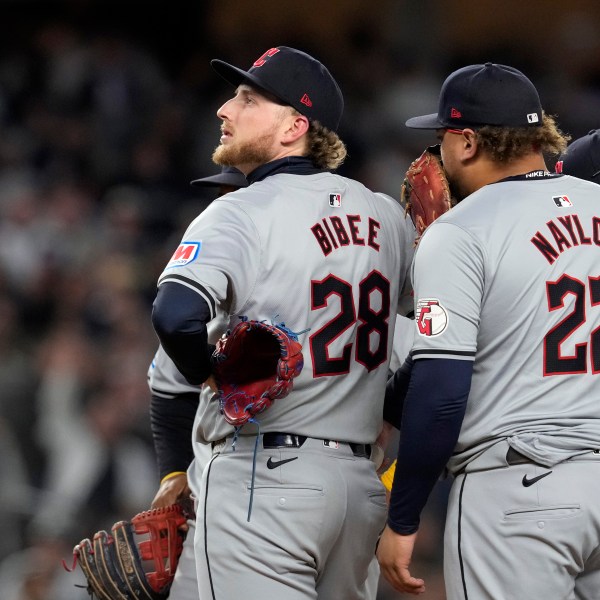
x=434 y=409
x=179 y=317
x=172 y=420
x=395 y=392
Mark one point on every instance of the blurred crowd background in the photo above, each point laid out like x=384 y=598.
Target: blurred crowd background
x=107 y=111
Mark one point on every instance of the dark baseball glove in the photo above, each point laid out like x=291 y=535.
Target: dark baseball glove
x=425 y=191
x=137 y=560
x=253 y=365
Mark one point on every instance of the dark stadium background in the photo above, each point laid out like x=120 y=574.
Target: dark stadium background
x=107 y=111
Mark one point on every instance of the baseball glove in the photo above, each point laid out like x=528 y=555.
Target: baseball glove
x=425 y=191
x=121 y=567
x=253 y=365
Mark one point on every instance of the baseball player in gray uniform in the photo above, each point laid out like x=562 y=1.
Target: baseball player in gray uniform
x=174 y=402
x=329 y=258
x=582 y=158
x=504 y=389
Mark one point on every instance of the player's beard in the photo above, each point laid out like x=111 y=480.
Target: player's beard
x=457 y=191
x=256 y=152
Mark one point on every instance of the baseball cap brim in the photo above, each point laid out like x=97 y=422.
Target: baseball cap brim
x=232 y=179
x=425 y=122
x=236 y=76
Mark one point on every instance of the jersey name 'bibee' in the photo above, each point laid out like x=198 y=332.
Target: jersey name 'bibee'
x=332 y=233
x=567 y=228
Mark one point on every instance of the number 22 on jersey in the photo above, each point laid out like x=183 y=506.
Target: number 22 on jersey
x=555 y=363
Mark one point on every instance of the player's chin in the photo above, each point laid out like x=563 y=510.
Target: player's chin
x=223 y=155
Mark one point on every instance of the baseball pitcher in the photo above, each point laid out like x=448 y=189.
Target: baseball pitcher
x=289 y=506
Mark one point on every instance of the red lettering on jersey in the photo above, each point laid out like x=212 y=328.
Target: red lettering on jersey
x=559 y=237
x=321 y=238
x=332 y=233
x=342 y=234
x=326 y=224
x=545 y=247
x=259 y=62
x=374 y=226
x=568 y=225
x=352 y=222
x=582 y=237
x=574 y=228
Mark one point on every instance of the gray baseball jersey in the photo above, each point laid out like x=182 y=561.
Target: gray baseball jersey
x=330 y=259
x=520 y=297
x=516 y=289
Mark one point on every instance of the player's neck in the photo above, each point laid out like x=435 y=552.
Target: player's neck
x=282 y=151
x=491 y=171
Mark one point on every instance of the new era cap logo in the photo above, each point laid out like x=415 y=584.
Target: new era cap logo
x=455 y=114
x=259 y=62
x=306 y=100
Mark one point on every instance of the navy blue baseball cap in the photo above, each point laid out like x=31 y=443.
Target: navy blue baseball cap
x=487 y=94
x=228 y=176
x=295 y=78
x=582 y=158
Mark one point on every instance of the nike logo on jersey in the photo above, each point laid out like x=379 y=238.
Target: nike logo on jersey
x=273 y=464
x=527 y=482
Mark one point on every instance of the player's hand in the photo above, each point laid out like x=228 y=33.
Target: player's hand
x=171 y=491
x=394 y=554
x=212 y=384
x=383 y=439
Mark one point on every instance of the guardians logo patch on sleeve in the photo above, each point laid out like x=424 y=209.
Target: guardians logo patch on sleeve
x=431 y=317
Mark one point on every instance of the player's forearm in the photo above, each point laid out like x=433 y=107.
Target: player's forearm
x=433 y=415
x=171 y=421
x=179 y=317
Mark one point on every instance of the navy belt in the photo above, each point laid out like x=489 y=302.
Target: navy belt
x=290 y=440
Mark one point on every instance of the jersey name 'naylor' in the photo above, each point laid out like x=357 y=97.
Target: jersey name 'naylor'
x=331 y=233
x=567 y=232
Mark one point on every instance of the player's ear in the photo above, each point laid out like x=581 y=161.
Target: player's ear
x=296 y=126
x=470 y=144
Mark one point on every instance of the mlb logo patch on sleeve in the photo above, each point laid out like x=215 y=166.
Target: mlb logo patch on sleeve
x=185 y=254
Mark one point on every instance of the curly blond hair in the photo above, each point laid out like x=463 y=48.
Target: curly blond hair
x=325 y=148
x=505 y=144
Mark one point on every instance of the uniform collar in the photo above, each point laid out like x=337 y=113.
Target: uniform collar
x=296 y=165
x=538 y=174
